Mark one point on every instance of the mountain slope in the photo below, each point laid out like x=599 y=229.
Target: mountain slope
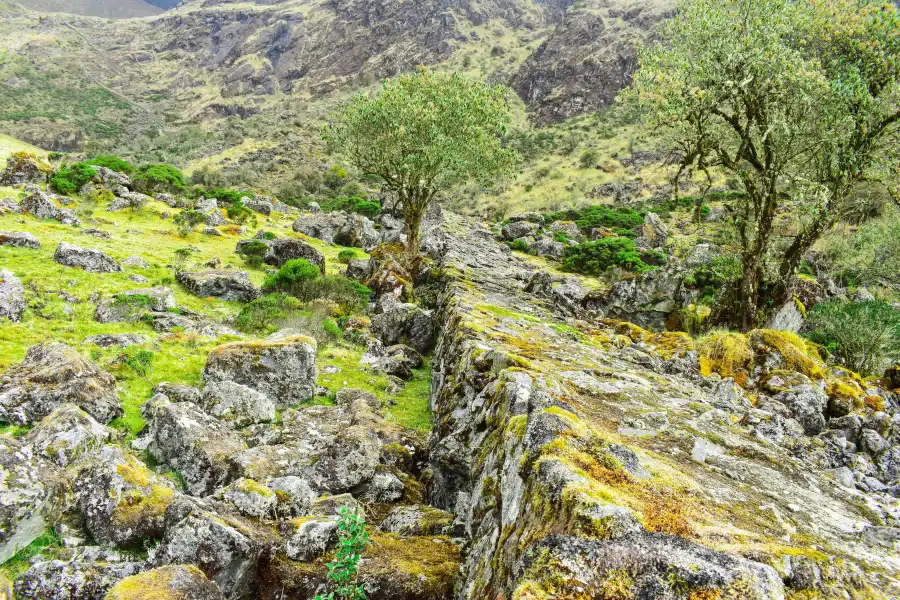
x=111 y=9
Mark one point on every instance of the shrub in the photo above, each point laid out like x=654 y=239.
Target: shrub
x=864 y=335
x=292 y=276
x=336 y=176
x=240 y=214
x=140 y=362
x=68 y=179
x=368 y=208
x=352 y=540
x=593 y=258
x=520 y=246
x=112 y=162
x=304 y=281
x=254 y=253
x=588 y=158
x=158 y=178
x=262 y=313
x=599 y=216
x=187 y=220
x=710 y=278
x=346 y=255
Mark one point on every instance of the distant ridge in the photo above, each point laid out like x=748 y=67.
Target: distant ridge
x=111 y=9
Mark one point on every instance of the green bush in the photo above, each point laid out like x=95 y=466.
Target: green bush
x=304 y=281
x=593 y=258
x=368 y=208
x=240 y=214
x=711 y=278
x=346 y=255
x=187 y=220
x=254 y=253
x=158 y=178
x=520 y=246
x=599 y=216
x=140 y=361
x=263 y=313
x=292 y=276
x=588 y=158
x=112 y=162
x=342 y=571
x=336 y=176
x=68 y=179
x=864 y=335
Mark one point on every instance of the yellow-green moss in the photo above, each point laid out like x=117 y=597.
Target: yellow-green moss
x=793 y=349
x=155 y=584
x=727 y=354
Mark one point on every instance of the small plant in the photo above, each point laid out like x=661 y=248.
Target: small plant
x=140 y=362
x=588 y=158
x=292 y=276
x=864 y=335
x=305 y=282
x=68 y=179
x=239 y=213
x=254 y=253
x=187 y=221
x=346 y=255
x=264 y=312
x=181 y=256
x=520 y=246
x=342 y=571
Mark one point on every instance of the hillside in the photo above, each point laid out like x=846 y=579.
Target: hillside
x=109 y=9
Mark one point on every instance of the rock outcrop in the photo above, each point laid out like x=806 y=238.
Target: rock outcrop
x=226 y=285
x=88 y=259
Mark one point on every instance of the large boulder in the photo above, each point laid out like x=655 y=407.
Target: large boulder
x=417 y=520
x=236 y=403
x=12 y=296
x=130 y=306
x=175 y=582
x=307 y=538
x=225 y=546
x=285 y=249
x=284 y=369
x=648 y=300
x=32 y=494
x=22 y=167
x=405 y=324
x=344 y=229
x=67 y=434
x=518 y=229
x=198 y=446
x=123 y=340
x=19 y=239
x=654 y=233
x=52 y=374
x=122 y=502
x=224 y=284
x=88 y=259
x=88 y=574
x=41 y=205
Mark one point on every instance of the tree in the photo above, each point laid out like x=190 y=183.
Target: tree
x=797 y=99
x=422 y=133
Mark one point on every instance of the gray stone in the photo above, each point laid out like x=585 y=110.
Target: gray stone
x=295 y=496
x=19 y=239
x=175 y=582
x=177 y=392
x=85 y=258
x=136 y=261
x=12 y=296
x=86 y=575
x=52 y=374
x=66 y=435
x=518 y=229
x=236 y=403
x=307 y=538
x=251 y=498
x=405 y=324
x=808 y=407
x=130 y=306
x=344 y=229
x=654 y=231
x=223 y=284
x=419 y=519
x=547 y=247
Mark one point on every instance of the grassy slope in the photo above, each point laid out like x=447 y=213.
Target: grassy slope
x=8 y=145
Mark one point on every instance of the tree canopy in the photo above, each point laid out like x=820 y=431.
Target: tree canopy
x=799 y=100
x=421 y=134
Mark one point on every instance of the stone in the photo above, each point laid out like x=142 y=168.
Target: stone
x=198 y=446
x=654 y=231
x=19 y=239
x=405 y=324
x=88 y=574
x=701 y=254
x=211 y=231
x=67 y=434
x=136 y=261
x=530 y=217
x=123 y=503
x=307 y=538
x=32 y=496
x=285 y=249
x=808 y=407
x=177 y=392
x=282 y=369
x=313 y=207
x=225 y=546
x=223 y=284
x=342 y=228
x=236 y=403
x=52 y=374
x=398 y=360
x=518 y=229
x=22 y=167
x=176 y=582
x=872 y=442
x=130 y=306
x=546 y=247
x=12 y=296
x=263 y=207
x=138 y=279
x=646 y=300
x=122 y=340
x=88 y=259
x=334 y=505
x=294 y=495
x=419 y=519
x=251 y=498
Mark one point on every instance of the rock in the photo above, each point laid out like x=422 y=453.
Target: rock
x=19 y=239
x=295 y=496
x=313 y=207
x=197 y=445
x=656 y=559
x=22 y=167
x=405 y=324
x=530 y=217
x=138 y=278
x=334 y=505
x=282 y=369
x=227 y=285
x=398 y=361
x=123 y=340
x=357 y=269
x=284 y=249
x=646 y=300
x=130 y=306
x=122 y=502
x=417 y=520
x=872 y=442
x=206 y=205
x=41 y=205
x=701 y=254
x=226 y=547
x=32 y=496
x=344 y=229
x=236 y=403
x=263 y=207
x=892 y=376
x=251 y=498
x=568 y=228
x=52 y=374
x=808 y=407
x=87 y=575
x=177 y=392
x=654 y=231
x=67 y=434
x=547 y=247
x=211 y=231
x=307 y=538
x=136 y=261
x=863 y=295
x=12 y=296
x=88 y=259
x=518 y=229
x=178 y=582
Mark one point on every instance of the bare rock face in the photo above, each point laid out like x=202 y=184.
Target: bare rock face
x=344 y=229
x=67 y=434
x=123 y=503
x=199 y=446
x=236 y=403
x=12 y=296
x=88 y=574
x=227 y=285
x=176 y=582
x=32 y=494
x=52 y=374
x=85 y=258
x=282 y=369
x=405 y=324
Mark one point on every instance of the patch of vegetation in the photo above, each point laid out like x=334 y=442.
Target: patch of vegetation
x=346 y=255
x=238 y=212
x=599 y=216
x=21 y=562
x=864 y=336
x=254 y=253
x=352 y=540
x=188 y=220
x=112 y=162
x=68 y=179
x=712 y=277
x=261 y=314
x=593 y=258
x=155 y=178
x=305 y=282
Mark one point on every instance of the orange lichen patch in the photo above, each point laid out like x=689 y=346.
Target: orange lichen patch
x=875 y=403
x=727 y=354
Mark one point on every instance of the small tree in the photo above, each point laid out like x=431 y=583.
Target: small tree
x=797 y=99
x=865 y=335
x=352 y=540
x=421 y=134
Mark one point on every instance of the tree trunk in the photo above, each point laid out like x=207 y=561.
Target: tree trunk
x=412 y=224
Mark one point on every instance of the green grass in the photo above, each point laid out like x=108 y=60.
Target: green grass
x=18 y=564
